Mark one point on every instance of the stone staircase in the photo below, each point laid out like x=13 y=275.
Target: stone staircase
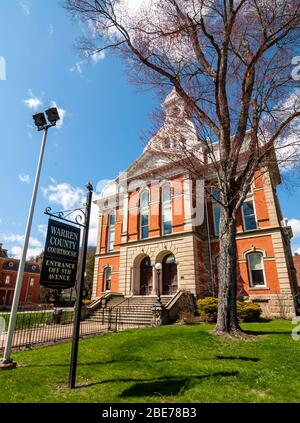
x=126 y=312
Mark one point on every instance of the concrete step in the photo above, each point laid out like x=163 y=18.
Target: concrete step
x=134 y=310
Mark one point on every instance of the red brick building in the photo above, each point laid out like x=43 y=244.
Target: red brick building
x=30 y=292
x=149 y=219
x=296 y=259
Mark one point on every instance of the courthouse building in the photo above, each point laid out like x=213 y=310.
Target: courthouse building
x=147 y=217
x=30 y=291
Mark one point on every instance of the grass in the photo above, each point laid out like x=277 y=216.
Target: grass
x=167 y=364
x=31 y=319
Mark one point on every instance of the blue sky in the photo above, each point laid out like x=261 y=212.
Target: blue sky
x=103 y=118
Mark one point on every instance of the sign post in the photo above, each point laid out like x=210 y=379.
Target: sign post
x=60 y=261
x=78 y=306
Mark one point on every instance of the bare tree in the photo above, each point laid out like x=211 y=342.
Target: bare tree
x=230 y=63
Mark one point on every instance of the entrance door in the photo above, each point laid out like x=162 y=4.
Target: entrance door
x=2 y=297
x=146 y=277
x=6 y=297
x=170 y=284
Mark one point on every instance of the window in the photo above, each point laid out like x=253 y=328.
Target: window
x=111 y=231
x=215 y=192
x=249 y=215
x=166 y=209
x=7 y=280
x=256 y=270
x=144 y=215
x=32 y=282
x=107 y=279
x=217 y=218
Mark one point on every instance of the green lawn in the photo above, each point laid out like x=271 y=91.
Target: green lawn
x=31 y=319
x=167 y=364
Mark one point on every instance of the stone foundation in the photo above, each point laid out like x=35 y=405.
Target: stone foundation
x=275 y=306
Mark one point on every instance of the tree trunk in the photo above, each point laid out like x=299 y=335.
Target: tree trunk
x=227 y=317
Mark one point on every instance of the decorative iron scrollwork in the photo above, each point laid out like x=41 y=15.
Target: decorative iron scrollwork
x=75 y=216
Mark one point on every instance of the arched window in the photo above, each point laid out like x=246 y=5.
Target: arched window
x=111 y=231
x=144 y=214
x=256 y=270
x=107 y=279
x=166 y=209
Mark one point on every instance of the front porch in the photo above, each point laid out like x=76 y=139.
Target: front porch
x=147 y=280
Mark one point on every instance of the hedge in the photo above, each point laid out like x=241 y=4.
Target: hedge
x=246 y=312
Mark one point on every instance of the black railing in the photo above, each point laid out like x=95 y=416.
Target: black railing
x=48 y=326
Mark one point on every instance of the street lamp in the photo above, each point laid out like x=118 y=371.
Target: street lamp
x=158 y=267
x=42 y=125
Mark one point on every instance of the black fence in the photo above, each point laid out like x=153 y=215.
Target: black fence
x=48 y=326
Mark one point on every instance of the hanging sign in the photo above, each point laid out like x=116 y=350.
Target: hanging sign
x=60 y=256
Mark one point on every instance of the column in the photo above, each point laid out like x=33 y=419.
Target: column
x=125 y=218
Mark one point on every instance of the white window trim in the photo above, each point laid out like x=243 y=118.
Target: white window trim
x=145 y=208
x=250 y=272
x=249 y=197
x=162 y=207
x=105 y=280
x=215 y=206
x=111 y=229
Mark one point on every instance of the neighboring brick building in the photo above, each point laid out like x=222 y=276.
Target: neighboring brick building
x=154 y=224
x=30 y=292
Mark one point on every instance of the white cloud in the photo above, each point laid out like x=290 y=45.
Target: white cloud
x=68 y=198
x=51 y=30
x=62 y=114
x=25 y=8
x=96 y=57
x=33 y=242
x=24 y=178
x=43 y=230
x=32 y=102
x=0 y=220
x=16 y=252
x=64 y=195
x=77 y=67
x=94 y=222
x=34 y=248
x=295 y=224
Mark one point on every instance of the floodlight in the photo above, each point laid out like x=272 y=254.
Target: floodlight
x=39 y=120
x=52 y=115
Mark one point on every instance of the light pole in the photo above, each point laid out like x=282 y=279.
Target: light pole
x=42 y=125
x=158 y=267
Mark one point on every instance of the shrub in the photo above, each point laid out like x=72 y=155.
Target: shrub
x=186 y=317
x=208 y=309
x=246 y=311
x=87 y=302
